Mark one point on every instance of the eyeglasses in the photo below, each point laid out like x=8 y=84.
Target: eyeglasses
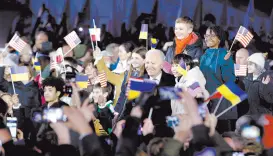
x=210 y=36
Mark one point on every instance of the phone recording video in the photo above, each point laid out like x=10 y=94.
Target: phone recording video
x=12 y=125
x=52 y=115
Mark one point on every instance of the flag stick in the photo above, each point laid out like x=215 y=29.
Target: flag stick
x=218 y=104
x=95 y=28
x=68 y=52
x=92 y=45
x=225 y=110
x=147 y=43
x=5 y=49
x=150 y=113
x=12 y=82
x=229 y=53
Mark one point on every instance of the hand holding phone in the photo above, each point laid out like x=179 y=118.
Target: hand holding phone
x=12 y=125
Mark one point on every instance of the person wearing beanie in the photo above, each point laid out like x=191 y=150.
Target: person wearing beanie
x=259 y=86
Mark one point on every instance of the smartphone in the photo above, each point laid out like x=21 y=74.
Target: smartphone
x=12 y=125
x=68 y=89
x=172 y=121
x=54 y=115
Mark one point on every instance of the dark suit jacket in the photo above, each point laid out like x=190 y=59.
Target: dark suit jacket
x=161 y=108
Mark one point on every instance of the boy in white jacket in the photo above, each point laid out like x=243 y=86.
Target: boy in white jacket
x=185 y=81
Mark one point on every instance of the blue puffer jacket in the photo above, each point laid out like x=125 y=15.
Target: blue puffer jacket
x=217 y=71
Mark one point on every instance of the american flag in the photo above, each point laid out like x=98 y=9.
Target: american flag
x=194 y=89
x=95 y=34
x=17 y=43
x=243 y=36
x=240 y=70
x=103 y=79
x=72 y=39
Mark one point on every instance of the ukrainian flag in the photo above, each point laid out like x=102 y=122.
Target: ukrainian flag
x=136 y=86
x=37 y=66
x=133 y=94
x=144 y=31
x=82 y=81
x=181 y=70
x=232 y=93
x=19 y=73
x=153 y=43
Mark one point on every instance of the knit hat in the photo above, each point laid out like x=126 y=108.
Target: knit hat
x=258 y=59
x=80 y=51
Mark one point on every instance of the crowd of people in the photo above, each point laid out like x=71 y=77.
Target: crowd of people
x=55 y=116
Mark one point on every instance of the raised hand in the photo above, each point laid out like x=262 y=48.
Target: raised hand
x=266 y=80
x=119 y=128
x=211 y=123
x=77 y=121
x=148 y=127
x=62 y=132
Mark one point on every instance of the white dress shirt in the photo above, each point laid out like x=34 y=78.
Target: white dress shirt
x=157 y=78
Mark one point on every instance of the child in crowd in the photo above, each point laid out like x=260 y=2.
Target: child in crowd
x=188 y=81
x=105 y=110
x=186 y=41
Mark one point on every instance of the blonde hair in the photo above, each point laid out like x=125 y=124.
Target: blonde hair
x=185 y=20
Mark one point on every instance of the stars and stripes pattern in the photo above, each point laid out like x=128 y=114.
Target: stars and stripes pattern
x=17 y=43
x=243 y=36
x=102 y=79
x=240 y=70
x=72 y=39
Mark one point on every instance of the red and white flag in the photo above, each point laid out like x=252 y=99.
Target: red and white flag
x=240 y=70
x=72 y=39
x=243 y=36
x=95 y=34
x=17 y=43
x=102 y=79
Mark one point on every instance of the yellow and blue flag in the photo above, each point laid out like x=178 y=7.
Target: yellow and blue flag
x=181 y=68
x=144 y=31
x=154 y=42
x=232 y=93
x=19 y=73
x=82 y=81
x=136 y=86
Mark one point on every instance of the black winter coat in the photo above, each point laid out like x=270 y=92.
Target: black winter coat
x=260 y=96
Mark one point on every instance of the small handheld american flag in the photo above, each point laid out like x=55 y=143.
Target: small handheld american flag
x=240 y=70
x=102 y=79
x=72 y=39
x=243 y=36
x=17 y=43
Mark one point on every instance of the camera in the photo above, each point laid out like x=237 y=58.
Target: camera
x=51 y=115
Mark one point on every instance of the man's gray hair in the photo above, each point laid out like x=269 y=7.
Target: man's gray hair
x=162 y=55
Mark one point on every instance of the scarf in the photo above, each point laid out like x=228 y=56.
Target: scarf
x=181 y=44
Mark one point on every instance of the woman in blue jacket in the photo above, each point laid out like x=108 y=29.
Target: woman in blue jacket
x=216 y=69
